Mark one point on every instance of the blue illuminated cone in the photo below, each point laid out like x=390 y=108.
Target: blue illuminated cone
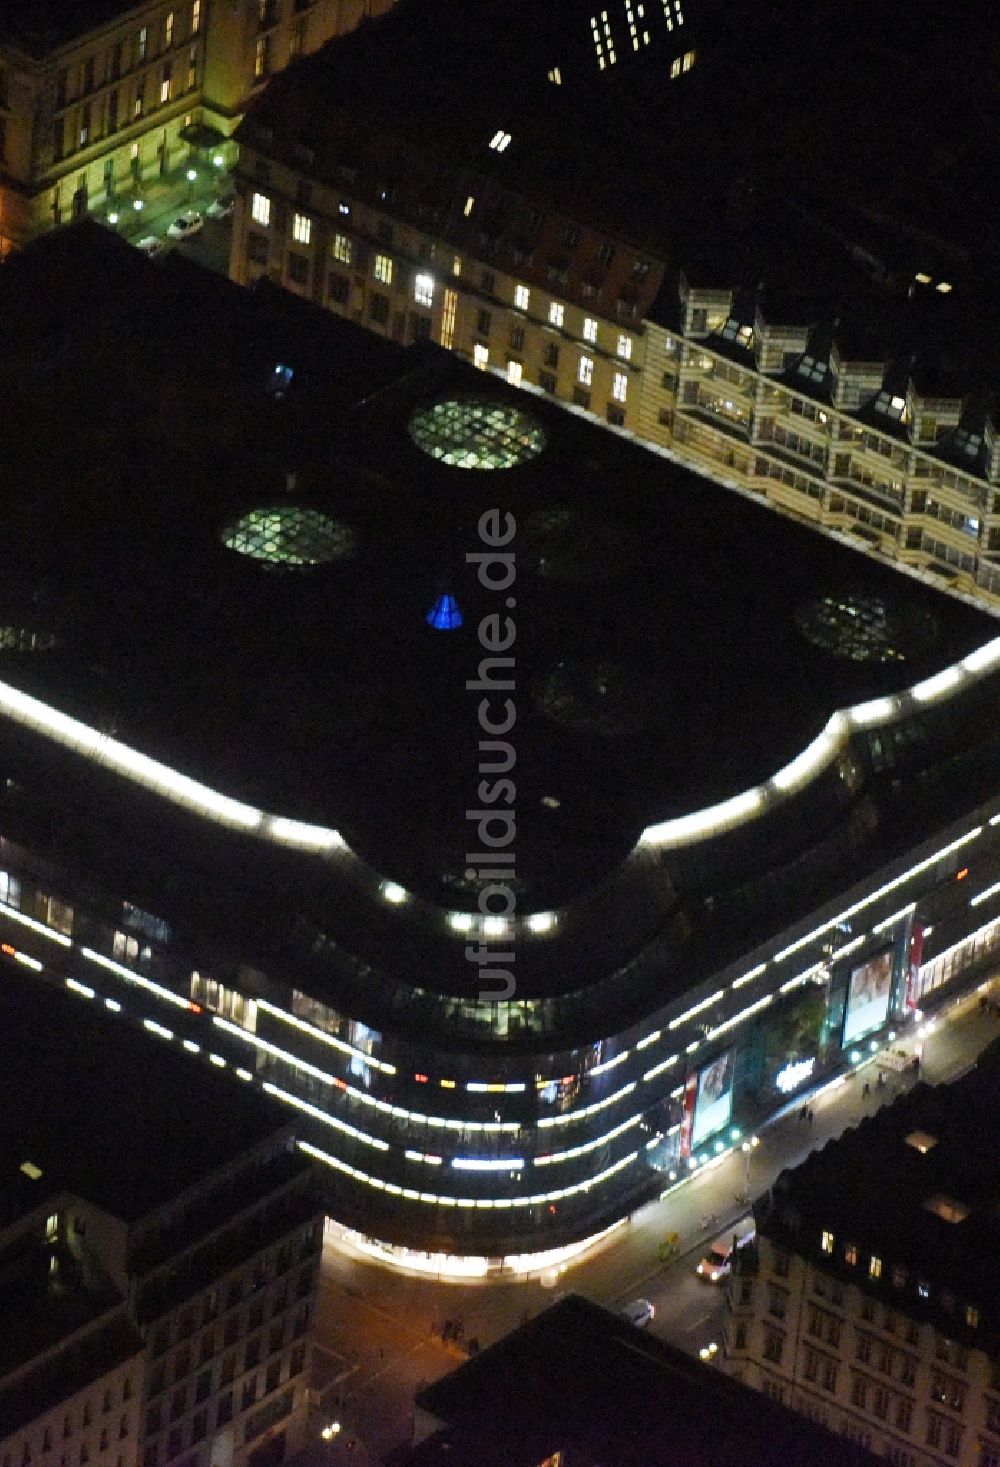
x=444 y=615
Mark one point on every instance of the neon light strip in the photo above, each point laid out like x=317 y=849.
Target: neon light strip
x=587 y=1110
x=663 y=1065
x=39 y=927
x=324 y=1116
x=748 y=977
x=982 y=896
x=706 y=1003
x=586 y=1146
x=324 y=1038
x=382 y=1105
x=885 y=923
x=139 y=979
x=938 y=855
x=488 y=1164
x=466 y=1203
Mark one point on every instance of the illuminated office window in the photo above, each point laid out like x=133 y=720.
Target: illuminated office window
x=383 y=269
x=625 y=348
x=168 y=30
x=619 y=388
x=195 y=16
x=826 y=1242
x=557 y=312
x=449 y=312
x=165 y=82
x=590 y=330
x=481 y=355
x=423 y=290
x=515 y=372
x=301 y=228
x=342 y=249
x=260 y=209
x=522 y=297
x=585 y=371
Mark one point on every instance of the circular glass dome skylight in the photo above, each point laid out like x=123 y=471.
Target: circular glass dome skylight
x=289 y=535
x=474 y=433
x=866 y=628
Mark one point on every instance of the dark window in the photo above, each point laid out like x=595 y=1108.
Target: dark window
x=199 y=1424
x=517 y=338
x=484 y=321
x=249 y=1392
x=552 y=354
x=203 y=1386
x=251 y=1355
x=488 y=283
x=298 y=268
x=616 y=416
x=273 y=1378
x=420 y=327
x=224 y=1410
x=378 y=308
x=581 y=397
x=547 y=381
x=257 y=255
x=339 y=287
x=255 y=1315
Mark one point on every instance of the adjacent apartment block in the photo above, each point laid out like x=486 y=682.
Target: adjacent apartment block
x=159 y=1241
x=97 y=97
x=870 y=1302
x=826 y=360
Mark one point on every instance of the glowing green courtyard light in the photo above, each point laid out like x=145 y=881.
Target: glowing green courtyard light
x=289 y=535
x=474 y=433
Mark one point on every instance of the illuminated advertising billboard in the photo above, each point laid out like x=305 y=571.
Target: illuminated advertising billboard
x=868 y=996
x=713 y=1104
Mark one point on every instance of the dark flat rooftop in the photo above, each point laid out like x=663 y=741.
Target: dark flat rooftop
x=42 y=25
x=936 y=1152
x=108 y=1112
x=579 y=1379
x=660 y=665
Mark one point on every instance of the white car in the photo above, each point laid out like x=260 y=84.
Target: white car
x=186 y=226
x=150 y=246
x=221 y=208
x=716 y=1265
x=640 y=1313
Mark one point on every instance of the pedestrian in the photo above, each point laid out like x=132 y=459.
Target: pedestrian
x=810 y=1115
x=804 y=1114
x=867 y=1090
x=880 y=1082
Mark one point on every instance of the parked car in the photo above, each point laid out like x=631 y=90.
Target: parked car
x=150 y=246
x=222 y=207
x=186 y=225
x=640 y=1313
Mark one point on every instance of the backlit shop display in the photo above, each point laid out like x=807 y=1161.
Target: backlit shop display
x=708 y=1102
x=868 y=995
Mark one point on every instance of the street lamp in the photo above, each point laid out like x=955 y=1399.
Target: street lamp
x=137 y=205
x=330 y=1431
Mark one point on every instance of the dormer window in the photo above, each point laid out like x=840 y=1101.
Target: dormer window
x=968 y=443
x=891 y=405
x=739 y=332
x=812 y=369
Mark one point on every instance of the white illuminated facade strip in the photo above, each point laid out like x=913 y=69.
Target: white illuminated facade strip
x=663 y=1065
x=802 y=977
x=587 y=1110
x=586 y=1146
x=716 y=819
x=982 y=896
x=488 y=1163
x=40 y=927
x=324 y=1116
x=610 y=1064
x=748 y=977
x=27 y=961
x=158 y=1029
x=866 y=901
x=80 y=988
x=399 y=1111
x=706 y=1003
x=436 y=1199
x=210 y=804
x=649 y=1039
x=331 y=1039
x=882 y=926
x=743 y=1014
x=139 y=979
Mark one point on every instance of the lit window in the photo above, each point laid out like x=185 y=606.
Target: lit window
x=141 y=48
x=165 y=83
x=971 y=1315
x=826 y=1243
x=590 y=329
x=342 y=249
x=301 y=228
x=52 y=1227
x=689 y=59
x=260 y=209
x=261 y=57
x=555 y=76
x=851 y=1255
x=383 y=269
x=943 y=286
x=675 y=67
x=875 y=1267
x=456 y=265
x=585 y=372
x=619 y=388
x=423 y=290
x=625 y=348
x=481 y=355
x=557 y=312
x=195 y=16
x=168 y=30
x=500 y=141
x=522 y=297
x=470 y=204
x=514 y=372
